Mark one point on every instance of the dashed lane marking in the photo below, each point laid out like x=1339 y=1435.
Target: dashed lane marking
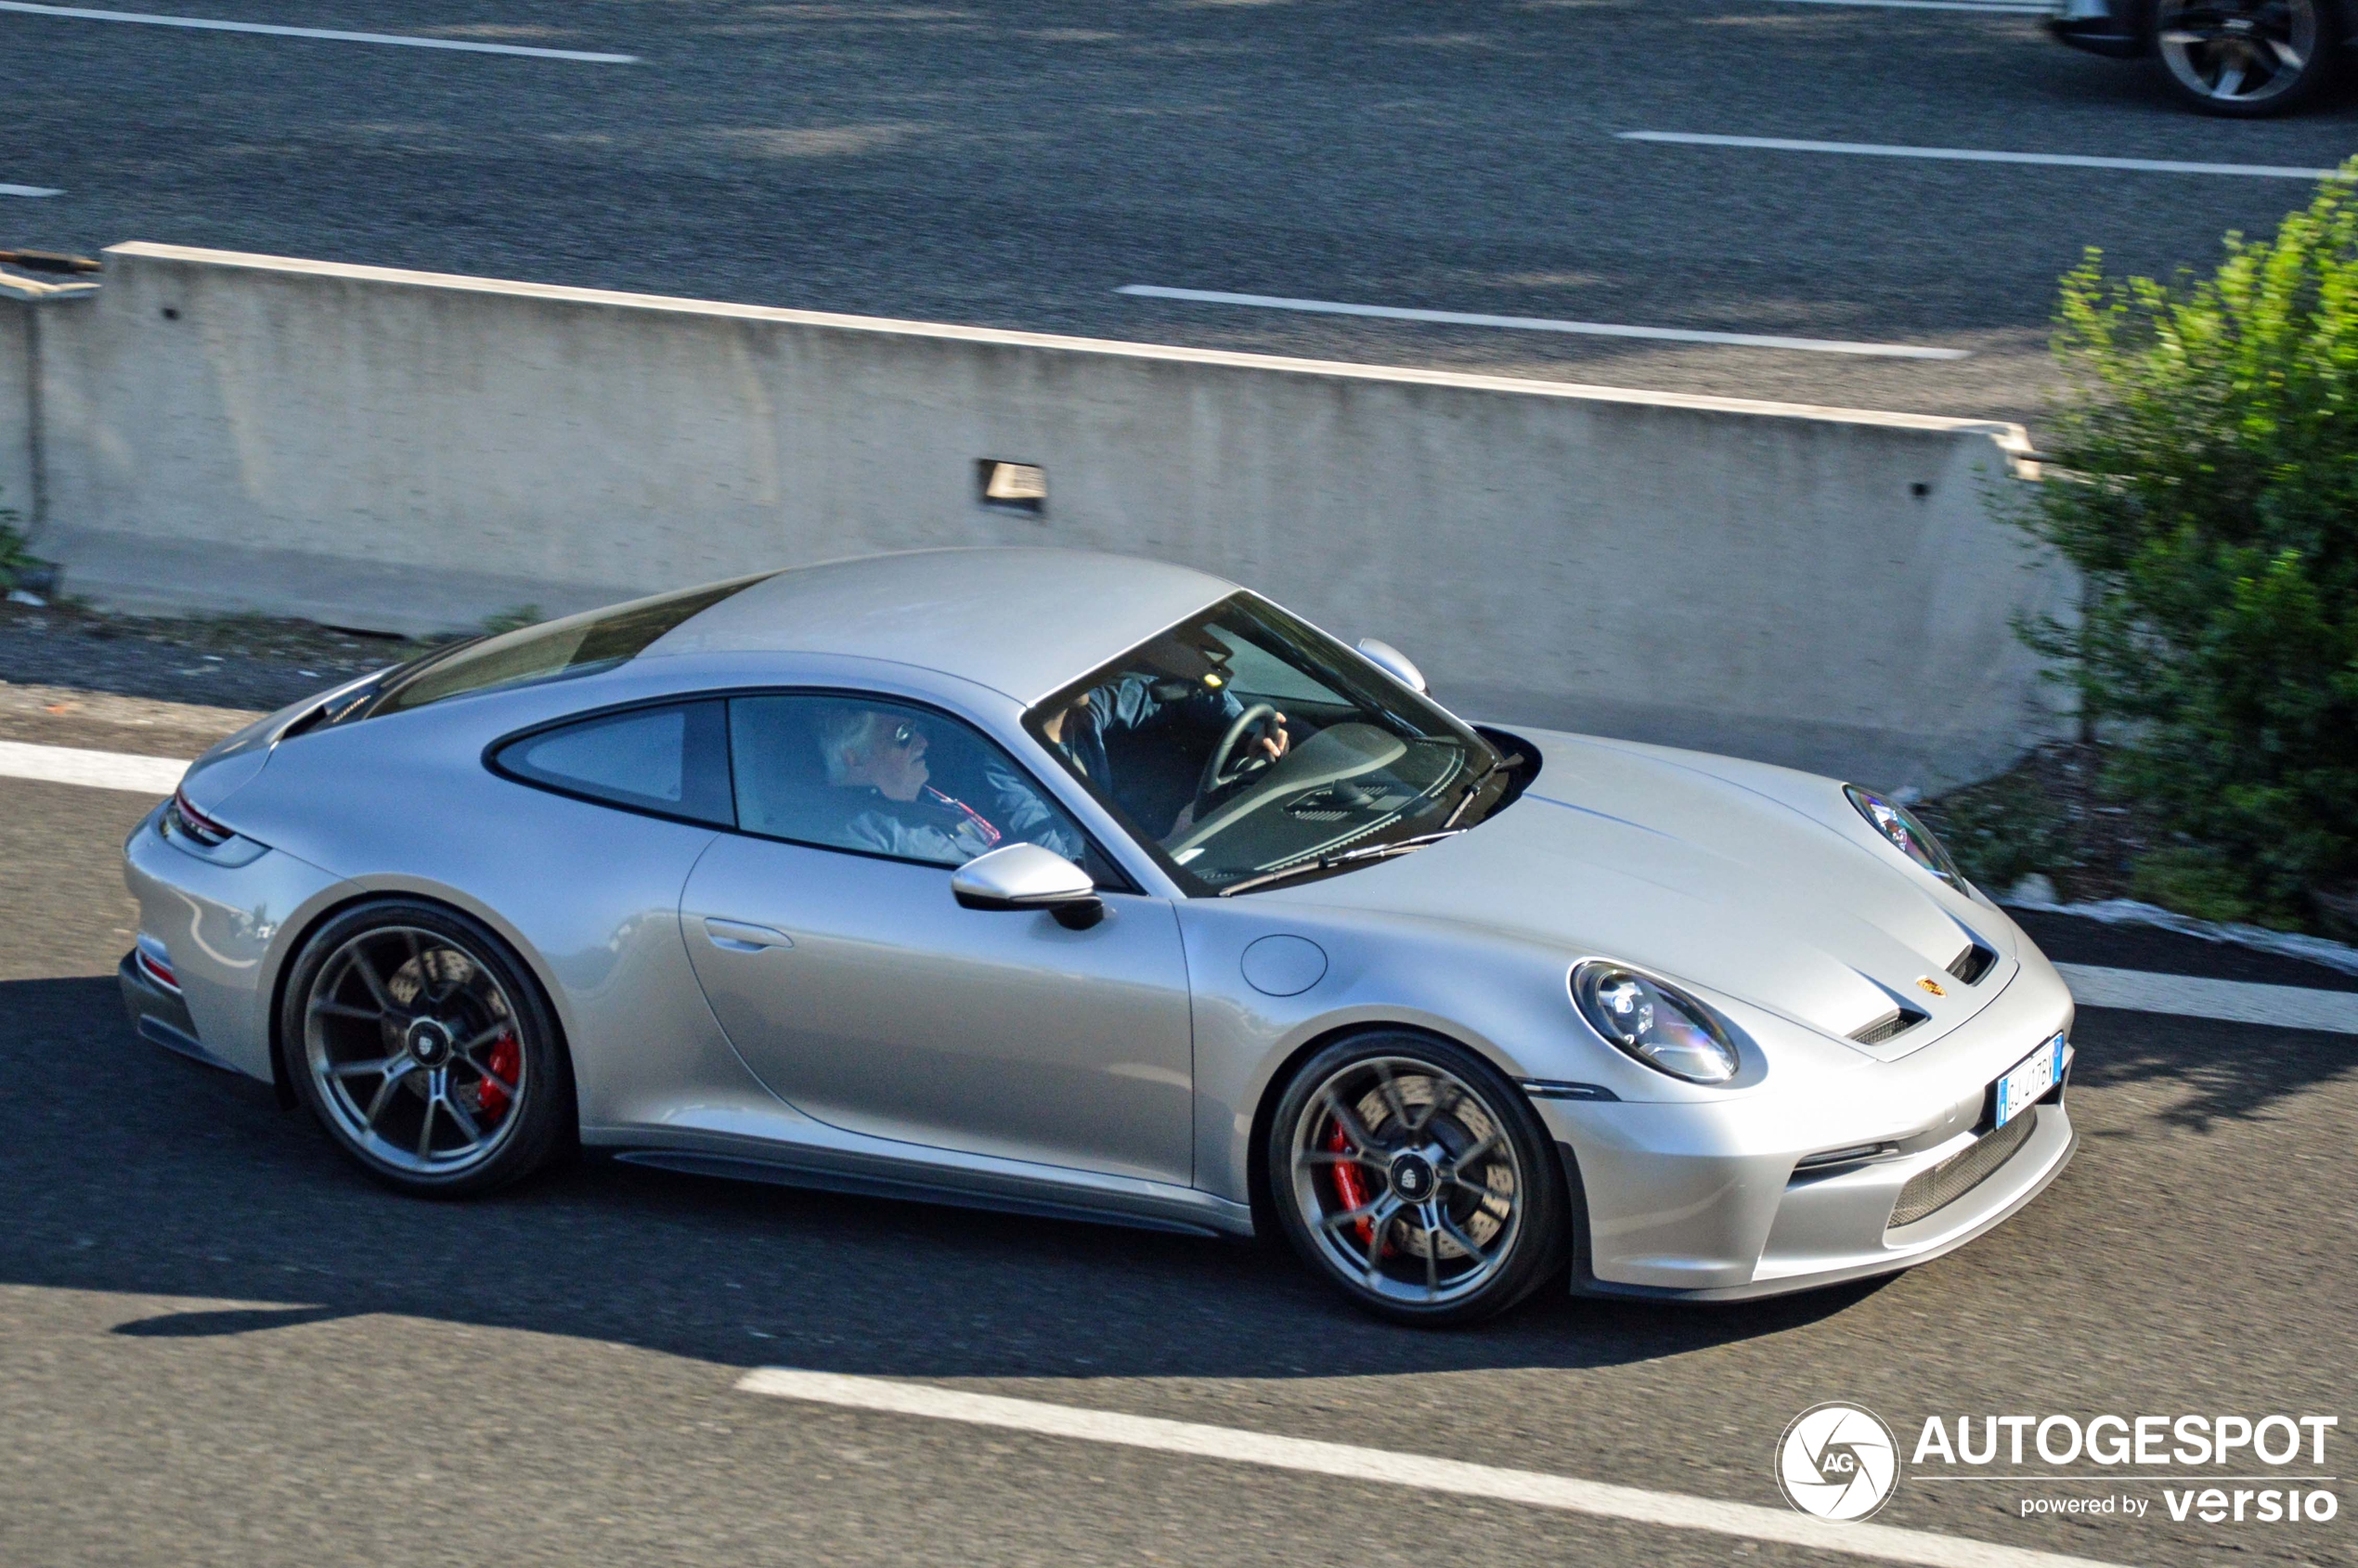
x=1970 y=154
x=1540 y=323
x=1976 y=155
x=1383 y=1467
x=2191 y=996
x=2002 y=8
x=29 y=191
x=93 y=769
x=211 y=24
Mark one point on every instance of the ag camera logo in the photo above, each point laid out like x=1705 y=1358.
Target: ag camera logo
x=1837 y=1461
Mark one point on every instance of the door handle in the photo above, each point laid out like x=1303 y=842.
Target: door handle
x=738 y=937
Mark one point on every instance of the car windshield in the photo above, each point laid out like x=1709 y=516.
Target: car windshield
x=1245 y=743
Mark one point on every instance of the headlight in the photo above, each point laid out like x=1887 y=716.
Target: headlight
x=1668 y=1032
x=1908 y=835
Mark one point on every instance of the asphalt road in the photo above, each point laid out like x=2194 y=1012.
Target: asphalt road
x=217 y=1344
x=1013 y=164
x=220 y=1344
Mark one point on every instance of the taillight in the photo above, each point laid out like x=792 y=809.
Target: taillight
x=195 y=824
x=155 y=963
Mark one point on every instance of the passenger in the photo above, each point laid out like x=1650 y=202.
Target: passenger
x=882 y=756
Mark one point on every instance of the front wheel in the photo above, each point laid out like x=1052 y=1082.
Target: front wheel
x=424 y=1049
x=1413 y=1177
x=2244 y=58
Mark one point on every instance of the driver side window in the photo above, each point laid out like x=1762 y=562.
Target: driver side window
x=881 y=777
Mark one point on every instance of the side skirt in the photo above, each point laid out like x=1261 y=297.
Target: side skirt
x=873 y=1184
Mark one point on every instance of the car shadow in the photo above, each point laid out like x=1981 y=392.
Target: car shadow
x=215 y=1325
x=133 y=1171
x=2215 y=1072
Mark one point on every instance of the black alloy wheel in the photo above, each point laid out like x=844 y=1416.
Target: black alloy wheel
x=2245 y=58
x=1418 y=1180
x=425 y=1049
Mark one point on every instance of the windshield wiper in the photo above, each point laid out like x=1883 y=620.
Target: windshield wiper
x=1341 y=858
x=1499 y=764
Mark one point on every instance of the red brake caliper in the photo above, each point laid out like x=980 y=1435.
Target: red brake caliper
x=499 y=1085
x=1351 y=1186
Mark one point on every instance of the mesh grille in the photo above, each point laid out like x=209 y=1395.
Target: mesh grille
x=1897 y=1021
x=1961 y=1173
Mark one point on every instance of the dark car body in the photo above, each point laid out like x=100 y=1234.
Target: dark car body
x=2124 y=29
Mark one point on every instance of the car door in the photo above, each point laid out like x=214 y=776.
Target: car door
x=825 y=935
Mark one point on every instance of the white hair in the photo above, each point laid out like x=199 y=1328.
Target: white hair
x=844 y=735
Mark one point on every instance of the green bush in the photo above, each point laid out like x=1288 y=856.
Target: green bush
x=2208 y=496
x=13 y=558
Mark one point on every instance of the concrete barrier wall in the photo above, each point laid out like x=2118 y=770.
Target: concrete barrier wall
x=412 y=452
x=16 y=409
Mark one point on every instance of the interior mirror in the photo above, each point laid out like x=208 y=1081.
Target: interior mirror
x=1392 y=662
x=1027 y=876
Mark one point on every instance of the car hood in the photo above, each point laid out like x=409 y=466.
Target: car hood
x=1736 y=878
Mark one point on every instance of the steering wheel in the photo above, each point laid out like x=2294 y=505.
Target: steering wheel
x=1217 y=774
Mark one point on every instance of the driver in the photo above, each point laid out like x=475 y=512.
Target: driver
x=883 y=756
x=1140 y=702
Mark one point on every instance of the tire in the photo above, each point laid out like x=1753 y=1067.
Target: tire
x=2245 y=59
x=426 y=1049
x=1382 y=1126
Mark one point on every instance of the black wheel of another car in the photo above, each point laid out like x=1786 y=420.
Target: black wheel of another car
x=2244 y=58
x=1406 y=1171
x=418 y=1040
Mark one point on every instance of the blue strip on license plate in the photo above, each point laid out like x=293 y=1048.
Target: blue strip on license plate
x=2029 y=1080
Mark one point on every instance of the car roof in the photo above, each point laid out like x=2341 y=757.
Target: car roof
x=1025 y=622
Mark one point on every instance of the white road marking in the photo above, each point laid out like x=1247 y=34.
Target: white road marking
x=210 y=24
x=93 y=769
x=2005 y=8
x=1381 y=1465
x=1540 y=323
x=2188 y=996
x=27 y=190
x=1974 y=155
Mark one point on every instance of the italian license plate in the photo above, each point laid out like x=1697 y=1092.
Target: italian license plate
x=2028 y=1079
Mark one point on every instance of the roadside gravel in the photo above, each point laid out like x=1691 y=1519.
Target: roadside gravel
x=246 y=662
x=74 y=716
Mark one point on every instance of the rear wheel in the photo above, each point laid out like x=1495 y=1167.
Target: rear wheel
x=1419 y=1181
x=2244 y=58
x=422 y=1047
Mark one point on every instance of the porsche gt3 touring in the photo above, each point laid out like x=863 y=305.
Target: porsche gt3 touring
x=1071 y=884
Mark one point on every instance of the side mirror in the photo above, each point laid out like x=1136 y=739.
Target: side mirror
x=1392 y=662
x=1027 y=876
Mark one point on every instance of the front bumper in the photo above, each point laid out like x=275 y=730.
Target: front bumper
x=1725 y=1199
x=1837 y=1228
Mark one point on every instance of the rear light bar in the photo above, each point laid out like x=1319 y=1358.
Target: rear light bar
x=195 y=824
x=155 y=963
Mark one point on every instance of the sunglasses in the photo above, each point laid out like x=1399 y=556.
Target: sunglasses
x=904 y=733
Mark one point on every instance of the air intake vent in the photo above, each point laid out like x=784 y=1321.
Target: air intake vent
x=1960 y=1173
x=1898 y=1021
x=1972 y=964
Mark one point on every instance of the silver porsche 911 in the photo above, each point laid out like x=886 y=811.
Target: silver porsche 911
x=1069 y=884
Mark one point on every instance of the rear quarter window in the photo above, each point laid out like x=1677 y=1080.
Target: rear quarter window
x=671 y=760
